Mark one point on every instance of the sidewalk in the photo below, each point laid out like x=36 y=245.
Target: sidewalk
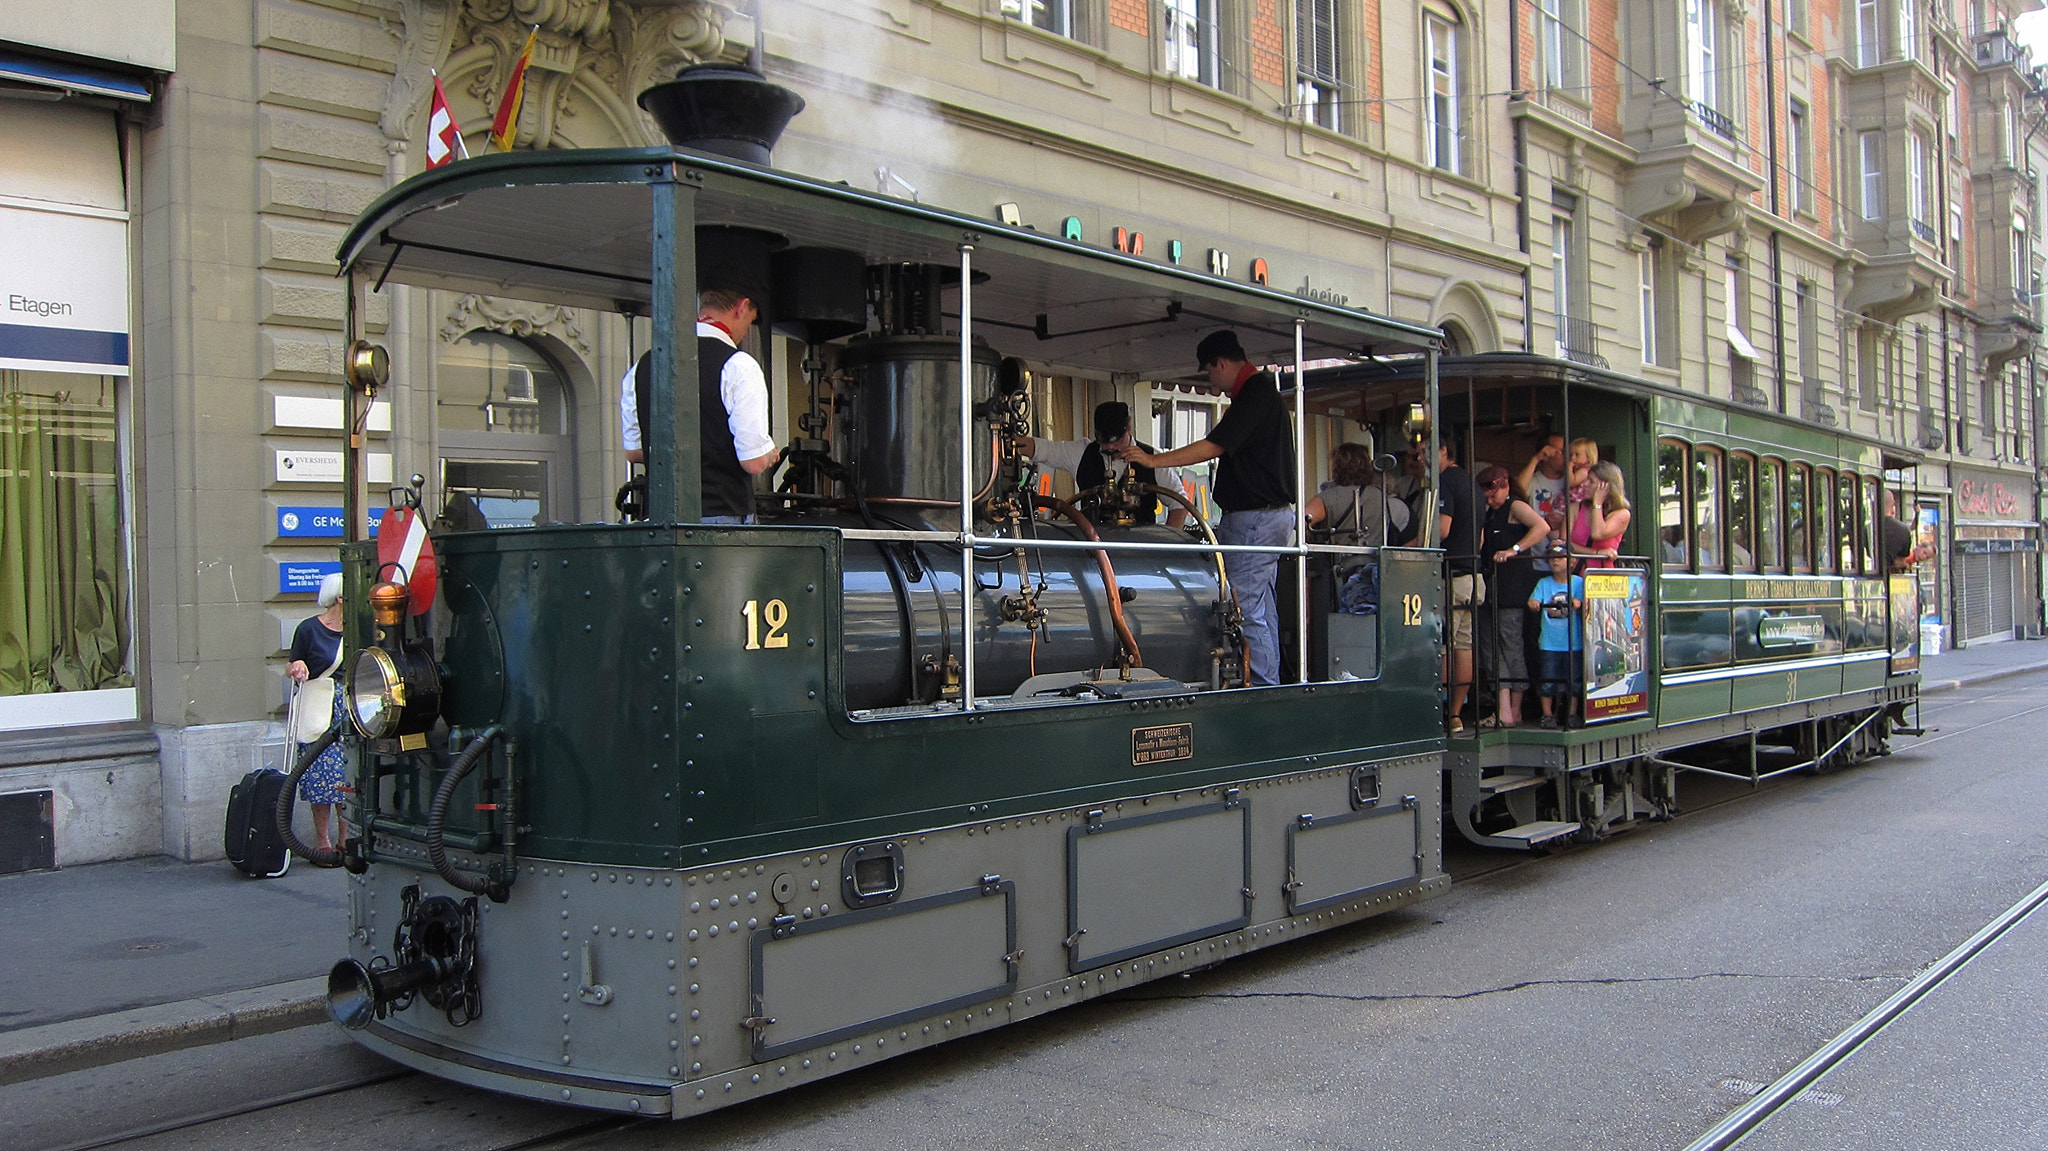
x=117 y=960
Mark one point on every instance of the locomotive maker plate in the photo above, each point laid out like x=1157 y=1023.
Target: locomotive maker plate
x=1161 y=744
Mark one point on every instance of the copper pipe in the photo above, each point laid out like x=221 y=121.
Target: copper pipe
x=1125 y=639
x=1202 y=521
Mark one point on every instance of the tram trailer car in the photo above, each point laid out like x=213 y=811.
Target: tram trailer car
x=660 y=816
x=1750 y=628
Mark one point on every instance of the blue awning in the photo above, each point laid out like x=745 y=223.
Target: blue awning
x=71 y=77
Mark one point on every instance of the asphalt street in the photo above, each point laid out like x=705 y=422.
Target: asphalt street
x=1624 y=995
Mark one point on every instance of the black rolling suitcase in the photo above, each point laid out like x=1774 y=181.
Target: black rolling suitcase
x=251 y=838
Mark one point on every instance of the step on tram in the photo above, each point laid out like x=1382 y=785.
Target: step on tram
x=658 y=816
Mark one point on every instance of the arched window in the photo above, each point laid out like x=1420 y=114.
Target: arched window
x=502 y=420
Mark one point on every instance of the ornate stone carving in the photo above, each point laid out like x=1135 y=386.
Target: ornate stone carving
x=513 y=318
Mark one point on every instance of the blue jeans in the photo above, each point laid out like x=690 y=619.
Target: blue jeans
x=728 y=520
x=1252 y=575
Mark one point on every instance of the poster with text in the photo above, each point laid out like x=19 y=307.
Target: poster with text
x=1905 y=594
x=1617 y=686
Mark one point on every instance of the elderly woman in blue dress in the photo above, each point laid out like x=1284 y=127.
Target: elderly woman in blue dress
x=315 y=668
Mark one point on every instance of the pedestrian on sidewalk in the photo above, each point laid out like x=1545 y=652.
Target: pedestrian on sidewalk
x=316 y=706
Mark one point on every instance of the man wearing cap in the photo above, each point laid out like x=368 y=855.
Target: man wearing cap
x=1092 y=462
x=1254 y=487
x=732 y=398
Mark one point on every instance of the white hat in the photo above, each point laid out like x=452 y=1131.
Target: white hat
x=330 y=589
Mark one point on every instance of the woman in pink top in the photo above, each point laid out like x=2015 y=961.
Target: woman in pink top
x=1598 y=521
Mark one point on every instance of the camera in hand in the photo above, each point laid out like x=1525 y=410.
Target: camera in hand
x=1559 y=607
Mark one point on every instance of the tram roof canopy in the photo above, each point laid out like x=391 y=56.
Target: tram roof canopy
x=578 y=228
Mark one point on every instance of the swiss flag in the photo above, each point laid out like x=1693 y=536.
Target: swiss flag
x=444 y=135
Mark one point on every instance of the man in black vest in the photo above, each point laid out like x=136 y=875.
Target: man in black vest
x=1254 y=487
x=1093 y=461
x=732 y=412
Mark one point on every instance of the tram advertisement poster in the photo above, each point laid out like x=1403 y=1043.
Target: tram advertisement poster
x=1905 y=593
x=1616 y=684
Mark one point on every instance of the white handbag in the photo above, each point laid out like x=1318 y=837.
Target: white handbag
x=313 y=706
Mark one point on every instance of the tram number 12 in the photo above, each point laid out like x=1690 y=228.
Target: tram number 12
x=775 y=614
x=1411 y=611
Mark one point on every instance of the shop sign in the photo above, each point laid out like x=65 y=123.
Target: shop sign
x=325 y=467
x=315 y=523
x=297 y=577
x=63 y=290
x=1989 y=497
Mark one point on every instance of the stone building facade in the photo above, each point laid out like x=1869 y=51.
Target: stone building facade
x=1675 y=188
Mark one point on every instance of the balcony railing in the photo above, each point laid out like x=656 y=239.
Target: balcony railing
x=1924 y=231
x=1715 y=120
x=1579 y=341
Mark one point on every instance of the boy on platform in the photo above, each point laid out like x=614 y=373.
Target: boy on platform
x=1560 y=645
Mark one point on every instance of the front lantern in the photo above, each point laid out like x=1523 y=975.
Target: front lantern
x=394 y=687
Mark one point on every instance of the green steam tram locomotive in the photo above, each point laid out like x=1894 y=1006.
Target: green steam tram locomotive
x=662 y=815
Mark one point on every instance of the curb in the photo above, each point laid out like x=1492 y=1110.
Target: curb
x=78 y=1044
x=1932 y=686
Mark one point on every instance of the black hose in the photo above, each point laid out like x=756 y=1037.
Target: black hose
x=331 y=857
x=437 y=819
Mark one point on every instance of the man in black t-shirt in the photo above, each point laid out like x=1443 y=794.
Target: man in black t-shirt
x=1458 y=524
x=1254 y=487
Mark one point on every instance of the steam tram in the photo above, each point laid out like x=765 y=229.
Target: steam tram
x=659 y=816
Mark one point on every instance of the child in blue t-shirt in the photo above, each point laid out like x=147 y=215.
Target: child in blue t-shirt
x=1560 y=661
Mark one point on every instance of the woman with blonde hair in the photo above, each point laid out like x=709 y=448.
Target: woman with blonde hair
x=1599 y=520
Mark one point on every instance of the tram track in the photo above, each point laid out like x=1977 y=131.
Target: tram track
x=1789 y=1087
x=394 y=1074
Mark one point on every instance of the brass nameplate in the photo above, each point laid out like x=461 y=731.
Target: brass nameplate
x=1161 y=744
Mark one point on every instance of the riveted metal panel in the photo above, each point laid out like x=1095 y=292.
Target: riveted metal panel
x=820 y=981
x=1335 y=858
x=1150 y=881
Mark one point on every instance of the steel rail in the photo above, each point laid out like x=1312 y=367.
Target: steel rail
x=1746 y=1118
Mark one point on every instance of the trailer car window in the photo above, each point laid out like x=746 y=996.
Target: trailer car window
x=1822 y=508
x=1848 y=524
x=1873 y=531
x=1673 y=547
x=1710 y=551
x=1798 y=548
x=1741 y=512
x=1770 y=506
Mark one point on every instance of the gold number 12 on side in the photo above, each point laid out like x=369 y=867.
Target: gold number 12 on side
x=775 y=614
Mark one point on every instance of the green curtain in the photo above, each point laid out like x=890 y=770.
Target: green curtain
x=63 y=579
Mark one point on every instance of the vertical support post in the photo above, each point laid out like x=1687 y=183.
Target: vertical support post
x=1300 y=509
x=675 y=454
x=352 y=403
x=967 y=455
x=1431 y=397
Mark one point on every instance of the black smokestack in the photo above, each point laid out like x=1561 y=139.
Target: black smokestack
x=724 y=109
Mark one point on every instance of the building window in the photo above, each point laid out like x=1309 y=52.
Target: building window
x=1869 y=49
x=1443 y=111
x=1561 y=269
x=1916 y=185
x=1646 y=293
x=2021 y=279
x=1870 y=150
x=1869 y=363
x=501 y=415
x=1558 y=43
x=1702 y=78
x=63 y=554
x=1909 y=29
x=1808 y=328
x=1055 y=16
x=1193 y=48
x=1318 y=72
x=1797 y=133
x=1795 y=17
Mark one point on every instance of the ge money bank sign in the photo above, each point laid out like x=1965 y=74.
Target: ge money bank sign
x=63 y=290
